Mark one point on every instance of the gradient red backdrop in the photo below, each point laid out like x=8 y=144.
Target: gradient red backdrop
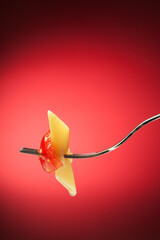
x=97 y=68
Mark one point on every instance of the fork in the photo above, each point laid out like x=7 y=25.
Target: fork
x=95 y=154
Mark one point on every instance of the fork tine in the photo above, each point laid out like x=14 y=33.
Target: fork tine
x=30 y=151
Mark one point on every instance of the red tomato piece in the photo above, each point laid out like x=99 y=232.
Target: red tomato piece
x=50 y=162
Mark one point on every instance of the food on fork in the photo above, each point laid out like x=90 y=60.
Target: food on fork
x=59 y=135
x=54 y=145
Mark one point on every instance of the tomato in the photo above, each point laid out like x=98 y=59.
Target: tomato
x=50 y=162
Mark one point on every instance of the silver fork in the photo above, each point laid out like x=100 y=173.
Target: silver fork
x=95 y=154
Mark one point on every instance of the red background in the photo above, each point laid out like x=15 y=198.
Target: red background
x=97 y=67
